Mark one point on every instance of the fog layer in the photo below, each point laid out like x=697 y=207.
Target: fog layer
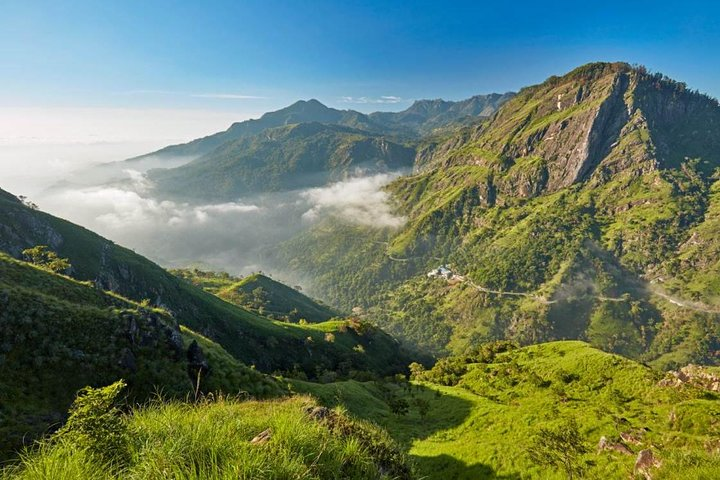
x=235 y=236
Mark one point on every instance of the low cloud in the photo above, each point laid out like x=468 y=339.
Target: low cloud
x=376 y=100
x=358 y=200
x=239 y=236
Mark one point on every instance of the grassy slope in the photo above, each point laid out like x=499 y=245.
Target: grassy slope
x=58 y=335
x=482 y=427
x=212 y=441
x=276 y=300
x=250 y=338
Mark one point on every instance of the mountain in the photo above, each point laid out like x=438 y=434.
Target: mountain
x=423 y=116
x=59 y=335
x=250 y=338
x=279 y=159
x=260 y=293
x=301 y=111
x=579 y=210
x=420 y=118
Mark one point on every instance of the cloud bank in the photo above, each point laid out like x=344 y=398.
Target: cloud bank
x=385 y=99
x=358 y=200
x=238 y=236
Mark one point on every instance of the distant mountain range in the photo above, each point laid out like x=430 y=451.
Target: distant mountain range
x=303 y=145
x=291 y=157
x=421 y=117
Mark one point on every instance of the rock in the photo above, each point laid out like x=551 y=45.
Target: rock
x=692 y=375
x=605 y=445
x=318 y=413
x=196 y=360
x=262 y=437
x=634 y=438
x=645 y=462
x=127 y=360
x=602 y=444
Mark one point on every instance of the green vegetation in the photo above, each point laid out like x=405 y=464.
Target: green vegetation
x=261 y=294
x=500 y=399
x=46 y=258
x=269 y=345
x=609 y=239
x=59 y=335
x=280 y=159
x=213 y=439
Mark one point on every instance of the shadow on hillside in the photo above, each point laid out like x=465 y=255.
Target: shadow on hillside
x=445 y=467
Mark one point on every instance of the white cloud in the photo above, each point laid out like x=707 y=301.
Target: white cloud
x=358 y=200
x=376 y=100
x=118 y=209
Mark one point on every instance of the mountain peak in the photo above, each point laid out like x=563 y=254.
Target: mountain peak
x=304 y=104
x=591 y=123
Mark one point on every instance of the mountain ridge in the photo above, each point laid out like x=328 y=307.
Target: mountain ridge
x=583 y=188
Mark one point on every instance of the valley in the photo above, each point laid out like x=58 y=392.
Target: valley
x=518 y=285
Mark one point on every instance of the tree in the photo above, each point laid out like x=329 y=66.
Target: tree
x=561 y=447
x=259 y=297
x=42 y=256
x=27 y=202
x=398 y=406
x=416 y=370
x=423 y=407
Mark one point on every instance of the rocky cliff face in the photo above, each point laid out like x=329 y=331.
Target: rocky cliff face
x=594 y=122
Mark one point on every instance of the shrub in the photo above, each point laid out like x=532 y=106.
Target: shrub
x=97 y=424
x=42 y=256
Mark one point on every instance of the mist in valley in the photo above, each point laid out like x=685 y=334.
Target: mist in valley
x=90 y=185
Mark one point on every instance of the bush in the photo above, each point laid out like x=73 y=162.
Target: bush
x=97 y=424
x=42 y=256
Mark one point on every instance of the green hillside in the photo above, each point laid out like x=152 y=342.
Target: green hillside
x=250 y=338
x=584 y=208
x=280 y=159
x=59 y=335
x=302 y=111
x=483 y=413
x=260 y=293
x=420 y=118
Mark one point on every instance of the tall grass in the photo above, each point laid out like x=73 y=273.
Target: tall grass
x=212 y=440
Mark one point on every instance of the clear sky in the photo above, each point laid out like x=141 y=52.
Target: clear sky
x=235 y=58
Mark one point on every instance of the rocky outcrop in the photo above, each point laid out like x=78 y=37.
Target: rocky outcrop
x=694 y=376
x=596 y=121
x=197 y=362
x=262 y=437
x=605 y=445
x=645 y=463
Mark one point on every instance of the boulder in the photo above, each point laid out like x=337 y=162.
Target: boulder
x=645 y=462
x=262 y=437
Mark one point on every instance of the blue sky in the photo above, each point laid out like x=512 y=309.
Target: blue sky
x=247 y=57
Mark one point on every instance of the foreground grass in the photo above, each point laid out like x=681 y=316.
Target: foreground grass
x=213 y=440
